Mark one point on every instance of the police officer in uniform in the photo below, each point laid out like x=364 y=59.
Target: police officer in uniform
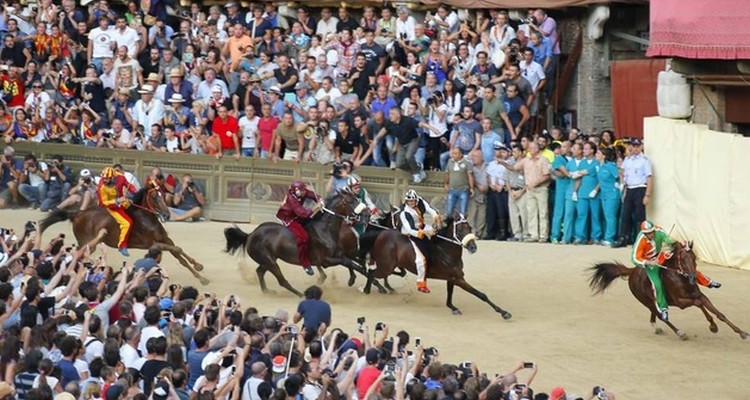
x=637 y=185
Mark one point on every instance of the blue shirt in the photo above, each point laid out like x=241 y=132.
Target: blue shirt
x=541 y=51
x=608 y=175
x=383 y=106
x=315 y=312
x=195 y=365
x=69 y=372
x=636 y=170
x=589 y=181
x=6 y=175
x=488 y=145
x=466 y=134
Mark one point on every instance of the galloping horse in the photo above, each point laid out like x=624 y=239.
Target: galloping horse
x=271 y=241
x=147 y=211
x=392 y=249
x=678 y=277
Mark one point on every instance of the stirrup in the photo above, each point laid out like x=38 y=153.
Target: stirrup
x=714 y=285
x=423 y=289
x=124 y=251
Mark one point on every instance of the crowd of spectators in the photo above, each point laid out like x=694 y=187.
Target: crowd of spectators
x=52 y=185
x=73 y=327
x=387 y=87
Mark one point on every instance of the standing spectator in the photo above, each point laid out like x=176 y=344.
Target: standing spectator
x=58 y=185
x=189 y=200
x=123 y=35
x=33 y=180
x=477 y=212
x=266 y=127
x=346 y=21
x=404 y=129
x=514 y=184
x=375 y=54
x=497 y=196
x=101 y=43
x=349 y=143
x=492 y=108
x=637 y=183
x=515 y=113
x=226 y=128
x=293 y=142
x=589 y=206
x=609 y=193
x=148 y=110
x=547 y=26
x=249 y=128
x=152 y=315
x=327 y=24
x=361 y=77
x=10 y=169
x=315 y=312
x=459 y=182
x=488 y=139
x=537 y=176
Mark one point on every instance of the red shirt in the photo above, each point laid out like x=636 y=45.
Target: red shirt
x=266 y=126
x=227 y=132
x=16 y=88
x=365 y=379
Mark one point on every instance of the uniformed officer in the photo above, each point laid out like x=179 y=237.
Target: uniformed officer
x=637 y=185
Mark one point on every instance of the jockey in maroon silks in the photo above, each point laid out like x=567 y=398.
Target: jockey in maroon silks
x=293 y=215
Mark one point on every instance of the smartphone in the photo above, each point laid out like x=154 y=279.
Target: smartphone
x=207 y=295
x=520 y=387
x=467 y=364
x=528 y=365
x=379 y=326
x=417 y=341
x=361 y=320
x=124 y=263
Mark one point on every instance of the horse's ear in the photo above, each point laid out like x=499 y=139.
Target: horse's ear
x=690 y=245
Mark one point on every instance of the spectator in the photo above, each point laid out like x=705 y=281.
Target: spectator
x=226 y=130
x=459 y=182
x=536 y=176
x=515 y=186
x=33 y=180
x=286 y=134
x=476 y=213
x=59 y=184
x=404 y=129
x=11 y=168
x=189 y=200
x=315 y=312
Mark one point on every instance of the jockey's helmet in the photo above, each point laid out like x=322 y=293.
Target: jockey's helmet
x=298 y=185
x=647 y=226
x=108 y=172
x=353 y=180
x=411 y=194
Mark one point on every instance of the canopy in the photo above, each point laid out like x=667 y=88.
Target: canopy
x=525 y=4
x=700 y=29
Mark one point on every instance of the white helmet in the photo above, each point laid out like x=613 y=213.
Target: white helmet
x=411 y=194
x=353 y=180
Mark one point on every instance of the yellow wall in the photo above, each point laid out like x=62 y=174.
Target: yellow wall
x=701 y=187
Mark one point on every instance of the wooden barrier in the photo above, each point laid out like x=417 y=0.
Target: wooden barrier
x=248 y=190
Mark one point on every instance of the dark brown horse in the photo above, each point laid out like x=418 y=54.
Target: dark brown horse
x=392 y=249
x=147 y=211
x=271 y=241
x=678 y=278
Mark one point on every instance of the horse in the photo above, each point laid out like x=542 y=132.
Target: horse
x=147 y=210
x=392 y=249
x=271 y=241
x=678 y=278
x=355 y=246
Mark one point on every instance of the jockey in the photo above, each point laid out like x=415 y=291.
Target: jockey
x=293 y=214
x=112 y=192
x=652 y=248
x=413 y=225
x=354 y=185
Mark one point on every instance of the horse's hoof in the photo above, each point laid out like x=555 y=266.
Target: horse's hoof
x=204 y=281
x=198 y=267
x=658 y=331
x=506 y=315
x=682 y=335
x=457 y=312
x=713 y=328
x=382 y=291
x=351 y=281
x=744 y=335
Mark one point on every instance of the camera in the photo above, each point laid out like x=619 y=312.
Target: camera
x=513 y=51
x=29 y=227
x=379 y=326
x=530 y=20
x=431 y=101
x=336 y=173
x=292 y=329
x=87 y=180
x=231 y=301
x=173 y=287
x=390 y=371
x=403 y=35
x=191 y=184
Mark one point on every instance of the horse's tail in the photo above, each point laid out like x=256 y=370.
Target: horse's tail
x=55 y=217
x=604 y=274
x=236 y=239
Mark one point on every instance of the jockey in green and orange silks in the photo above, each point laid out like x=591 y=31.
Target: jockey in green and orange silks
x=652 y=248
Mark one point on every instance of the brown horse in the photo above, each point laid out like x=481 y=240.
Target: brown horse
x=678 y=278
x=147 y=211
x=271 y=241
x=392 y=249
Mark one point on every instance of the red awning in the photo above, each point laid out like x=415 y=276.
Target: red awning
x=700 y=29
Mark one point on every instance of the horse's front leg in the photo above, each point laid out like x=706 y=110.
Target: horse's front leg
x=710 y=306
x=322 y=278
x=461 y=282
x=182 y=258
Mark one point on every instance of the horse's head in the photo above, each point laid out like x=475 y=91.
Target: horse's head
x=461 y=232
x=684 y=260
x=153 y=200
x=345 y=204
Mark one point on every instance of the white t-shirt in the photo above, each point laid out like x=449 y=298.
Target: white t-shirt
x=40 y=100
x=533 y=73
x=325 y=28
x=440 y=124
x=129 y=38
x=34 y=179
x=173 y=145
x=333 y=94
x=51 y=382
x=249 y=128
x=146 y=334
x=128 y=355
x=406 y=28
x=101 y=41
x=94 y=348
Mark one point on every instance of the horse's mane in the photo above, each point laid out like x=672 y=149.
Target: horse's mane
x=139 y=196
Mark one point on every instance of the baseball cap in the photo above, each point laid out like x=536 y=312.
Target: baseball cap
x=166 y=303
x=498 y=145
x=114 y=392
x=557 y=394
x=372 y=356
x=301 y=85
x=279 y=364
x=274 y=89
x=636 y=142
x=85 y=173
x=161 y=390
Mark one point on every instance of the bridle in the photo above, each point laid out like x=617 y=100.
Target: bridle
x=149 y=204
x=355 y=210
x=455 y=240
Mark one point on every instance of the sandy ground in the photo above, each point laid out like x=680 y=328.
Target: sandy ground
x=577 y=340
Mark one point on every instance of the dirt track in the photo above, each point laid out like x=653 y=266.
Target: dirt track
x=577 y=340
